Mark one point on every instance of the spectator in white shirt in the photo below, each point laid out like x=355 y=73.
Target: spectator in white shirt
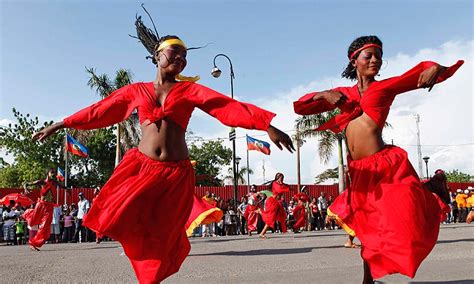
x=83 y=207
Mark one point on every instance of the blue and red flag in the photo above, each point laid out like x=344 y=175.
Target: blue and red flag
x=60 y=174
x=75 y=147
x=258 y=145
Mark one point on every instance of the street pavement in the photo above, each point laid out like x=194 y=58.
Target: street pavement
x=309 y=257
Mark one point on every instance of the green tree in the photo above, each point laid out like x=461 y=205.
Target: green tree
x=210 y=157
x=96 y=169
x=457 y=176
x=241 y=175
x=327 y=174
x=127 y=132
x=31 y=159
x=305 y=126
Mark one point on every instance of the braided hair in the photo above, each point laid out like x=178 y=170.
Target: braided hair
x=350 y=71
x=150 y=39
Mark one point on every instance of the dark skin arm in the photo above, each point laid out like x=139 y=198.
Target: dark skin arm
x=48 y=131
x=280 y=138
x=427 y=79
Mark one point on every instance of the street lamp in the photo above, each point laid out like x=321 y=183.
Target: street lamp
x=426 y=159
x=216 y=72
x=237 y=161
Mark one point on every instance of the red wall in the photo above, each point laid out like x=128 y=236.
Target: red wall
x=225 y=192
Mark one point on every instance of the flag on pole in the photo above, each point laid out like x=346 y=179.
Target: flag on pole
x=75 y=147
x=258 y=145
x=60 y=174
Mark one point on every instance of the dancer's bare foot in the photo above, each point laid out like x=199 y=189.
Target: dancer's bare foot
x=33 y=248
x=348 y=245
x=263 y=237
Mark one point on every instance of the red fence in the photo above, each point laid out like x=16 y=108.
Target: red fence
x=225 y=192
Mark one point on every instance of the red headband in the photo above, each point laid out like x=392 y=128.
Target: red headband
x=364 y=47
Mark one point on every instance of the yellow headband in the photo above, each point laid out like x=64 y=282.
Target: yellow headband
x=168 y=42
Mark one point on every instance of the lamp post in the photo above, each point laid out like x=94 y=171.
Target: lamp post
x=237 y=161
x=216 y=72
x=426 y=159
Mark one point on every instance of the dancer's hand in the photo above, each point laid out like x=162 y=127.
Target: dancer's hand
x=279 y=137
x=47 y=131
x=429 y=77
x=333 y=97
x=25 y=189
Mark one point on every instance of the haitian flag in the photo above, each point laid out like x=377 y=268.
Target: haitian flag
x=60 y=174
x=75 y=147
x=258 y=145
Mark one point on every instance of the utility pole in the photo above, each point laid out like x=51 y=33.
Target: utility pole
x=418 y=145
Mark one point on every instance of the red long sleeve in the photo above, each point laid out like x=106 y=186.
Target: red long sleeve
x=408 y=81
x=229 y=111
x=306 y=106
x=113 y=109
x=375 y=101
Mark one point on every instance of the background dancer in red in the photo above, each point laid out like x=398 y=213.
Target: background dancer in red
x=42 y=215
x=251 y=213
x=299 y=212
x=152 y=187
x=395 y=218
x=273 y=210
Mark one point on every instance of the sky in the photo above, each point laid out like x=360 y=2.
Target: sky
x=280 y=50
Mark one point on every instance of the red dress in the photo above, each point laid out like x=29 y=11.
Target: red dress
x=157 y=197
x=274 y=210
x=42 y=215
x=299 y=215
x=385 y=205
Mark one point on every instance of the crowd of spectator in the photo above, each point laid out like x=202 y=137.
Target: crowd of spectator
x=234 y=222
x=66 y=225
x=67 y=219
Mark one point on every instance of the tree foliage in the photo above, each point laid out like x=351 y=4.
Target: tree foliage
x=241 y=175
x=327 y=175
x=210 y=157
x=32 y=159
x=458 y=176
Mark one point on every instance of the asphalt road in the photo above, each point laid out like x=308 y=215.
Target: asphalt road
x=309 y=257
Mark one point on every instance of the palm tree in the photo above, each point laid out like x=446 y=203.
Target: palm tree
x=128 y=132
x=305 y=126
x=240 y=175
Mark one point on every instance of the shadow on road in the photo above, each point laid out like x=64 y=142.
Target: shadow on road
x=265 y=251
x=82 y=248
x=455 y=241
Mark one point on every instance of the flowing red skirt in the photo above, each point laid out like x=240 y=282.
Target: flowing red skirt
x=202 y=213
x=251 y=216
x=395 y=218
x=299 y=215
x=145 y=206
x=273 y=212
x=42 y=215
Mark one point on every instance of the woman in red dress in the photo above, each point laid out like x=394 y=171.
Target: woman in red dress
x=273 y=210
x=385 y=205
x=42 y=215
x=152 y=187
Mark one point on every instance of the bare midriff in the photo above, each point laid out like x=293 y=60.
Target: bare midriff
x=364 y=137
x=163 y=140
